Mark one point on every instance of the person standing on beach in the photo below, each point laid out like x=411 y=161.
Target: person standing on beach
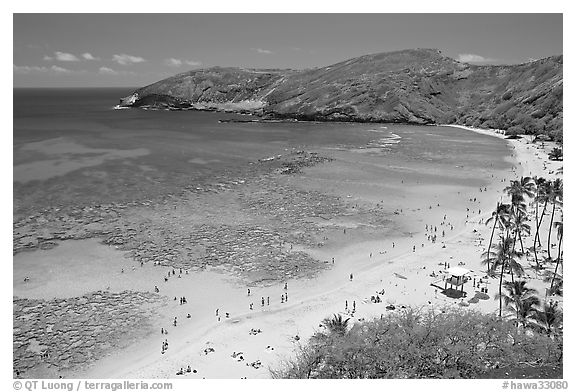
x=262 y=301
x=268 y=301
x=351 y=277
x=248 y=292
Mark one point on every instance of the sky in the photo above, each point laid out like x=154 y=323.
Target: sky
x=133 y=50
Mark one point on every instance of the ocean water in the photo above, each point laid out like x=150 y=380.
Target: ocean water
x=70 y=146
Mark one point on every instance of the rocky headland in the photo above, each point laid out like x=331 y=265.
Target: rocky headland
x=417 y=86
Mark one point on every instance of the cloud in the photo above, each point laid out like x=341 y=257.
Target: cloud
x=107 y=71
x=172 y=62
x=192 y=63
x=25 y=69
x=262 y=51
x=88 y=56
x=112 y=72
x=69 y=57
x=57 y=69
x=473 y=58
x=62 y=56
x=126 y=59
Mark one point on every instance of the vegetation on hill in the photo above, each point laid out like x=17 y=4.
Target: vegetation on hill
x=419 y=343
x=419 y=86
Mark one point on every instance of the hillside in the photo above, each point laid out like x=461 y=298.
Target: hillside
x=419 y=86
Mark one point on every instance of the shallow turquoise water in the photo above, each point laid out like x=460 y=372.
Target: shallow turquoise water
x=84 y=151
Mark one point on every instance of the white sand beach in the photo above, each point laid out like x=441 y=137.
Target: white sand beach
x=401 y=271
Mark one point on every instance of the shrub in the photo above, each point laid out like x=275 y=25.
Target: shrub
x=514 y=132
x=417 y=343
x=556 y=154
x=507 y=95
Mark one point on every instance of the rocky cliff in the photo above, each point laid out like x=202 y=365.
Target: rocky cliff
x=419 y=86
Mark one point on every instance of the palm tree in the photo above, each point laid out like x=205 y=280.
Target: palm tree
x=503 y=256
x=336 y=325
x=555 y=195
x=520 y=188
x=560 y=234
x=520 y=300
x=521 y=225
x=501 y=217
x=542 y=196
x=514 y=267
x=517 y=190
x=541 y=192
x=556 y=154
x=549 y=318
x=557 y=286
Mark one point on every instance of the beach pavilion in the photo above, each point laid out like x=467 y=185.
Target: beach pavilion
x=456 y=277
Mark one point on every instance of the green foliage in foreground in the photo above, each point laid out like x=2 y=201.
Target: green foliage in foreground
x=422 y=344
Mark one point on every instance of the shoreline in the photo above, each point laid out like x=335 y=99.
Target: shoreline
x=402 y=272
x=331 y=289
x=524 y=151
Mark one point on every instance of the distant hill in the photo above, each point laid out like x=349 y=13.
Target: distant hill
x=418 y=86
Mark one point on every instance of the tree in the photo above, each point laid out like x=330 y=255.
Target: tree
x=541 y=195
x=503 y=257
x=517 y=190
x=501 y=217
x=520 y=188
x=520 y=300
x=556 y=154
x=557 y=286
x=549 y=318
x=520 y=225
x=555 y=194
x=336 y=325
x=514 y=132
x=560 y=234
